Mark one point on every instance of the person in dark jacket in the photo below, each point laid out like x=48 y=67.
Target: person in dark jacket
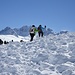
x=40 y=30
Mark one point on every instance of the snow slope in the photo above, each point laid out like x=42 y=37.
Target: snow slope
x=13 y=37
x=50 y=55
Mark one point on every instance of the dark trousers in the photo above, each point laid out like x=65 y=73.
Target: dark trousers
x=40 y=34
x=32 y=36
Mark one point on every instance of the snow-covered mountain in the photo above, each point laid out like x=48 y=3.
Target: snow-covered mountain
x=50 y=55
x=62 y=32
x=8 y=31
x=23 y=31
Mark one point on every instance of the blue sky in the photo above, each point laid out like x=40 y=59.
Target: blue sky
x=55 y=14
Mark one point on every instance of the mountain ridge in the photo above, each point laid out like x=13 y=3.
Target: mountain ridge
x=23 y=31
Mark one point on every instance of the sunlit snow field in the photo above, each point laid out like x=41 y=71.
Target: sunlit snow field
x=50 y=55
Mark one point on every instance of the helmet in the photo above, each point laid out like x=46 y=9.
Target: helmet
x=33 y=25
x=40 y=25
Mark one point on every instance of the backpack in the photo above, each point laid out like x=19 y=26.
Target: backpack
x=32 y=30
x=39 y=28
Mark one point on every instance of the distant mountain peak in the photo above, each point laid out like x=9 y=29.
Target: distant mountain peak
x=7 y=28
